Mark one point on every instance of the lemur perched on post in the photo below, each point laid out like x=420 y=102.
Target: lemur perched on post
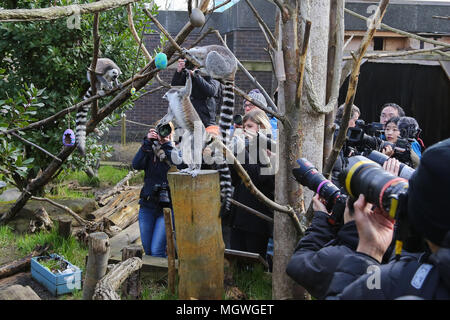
x=107 y=73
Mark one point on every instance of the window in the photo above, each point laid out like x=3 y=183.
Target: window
x=378 y=43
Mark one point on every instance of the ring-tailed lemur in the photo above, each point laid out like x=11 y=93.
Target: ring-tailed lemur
x=194 y=136
x=107 y=73
x=220 y=63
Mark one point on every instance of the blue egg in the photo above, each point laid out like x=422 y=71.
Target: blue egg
x=161 y=60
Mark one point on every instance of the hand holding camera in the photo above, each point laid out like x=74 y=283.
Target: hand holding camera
x=181 y=65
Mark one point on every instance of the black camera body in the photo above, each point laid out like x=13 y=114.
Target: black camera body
x=161 y=195
x=364 y=138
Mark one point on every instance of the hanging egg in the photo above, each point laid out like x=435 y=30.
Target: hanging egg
x=68 y=138
x=161 y=60
x=133 y=91
x=197 y=17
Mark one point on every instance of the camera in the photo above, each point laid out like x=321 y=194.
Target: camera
x=161 y=195
x=163 y=130
x=386 y=191
x=405 y=171
x=308 y=176
x=365 y=138
x=237 y=119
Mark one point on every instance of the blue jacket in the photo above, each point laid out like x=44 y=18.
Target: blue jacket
x=427 y=277
x=155 y=170
x=319 y=252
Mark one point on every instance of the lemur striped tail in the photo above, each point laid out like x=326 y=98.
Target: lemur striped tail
x=225 y=122
x=81 y=119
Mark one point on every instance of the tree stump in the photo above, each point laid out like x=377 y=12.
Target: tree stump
x=65 y=227
x=131 y=288
x=97 y=262
x=171 y=271
x=196 y=205
x=40 y=222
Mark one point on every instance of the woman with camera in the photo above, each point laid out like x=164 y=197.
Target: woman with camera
x=249 y=232
x=155 y=157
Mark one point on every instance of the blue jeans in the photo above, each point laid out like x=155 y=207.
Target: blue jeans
x=153 y=231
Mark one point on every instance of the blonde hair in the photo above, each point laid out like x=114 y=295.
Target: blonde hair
x=259 y=117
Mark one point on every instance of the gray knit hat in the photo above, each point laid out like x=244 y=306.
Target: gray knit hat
x=255 y=94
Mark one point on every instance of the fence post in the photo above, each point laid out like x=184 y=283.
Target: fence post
x=196 y=205
x=124 y=129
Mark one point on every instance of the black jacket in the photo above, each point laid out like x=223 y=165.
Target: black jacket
x=427 y=278
x=240 y=218
x=319 y=252
x=204 y=89
x=155 y=170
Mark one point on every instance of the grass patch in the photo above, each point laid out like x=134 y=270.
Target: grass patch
x=107 y=176
x=255 y=282
x=6 y=236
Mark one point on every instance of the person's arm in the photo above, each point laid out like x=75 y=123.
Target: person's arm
x=208 y=88
x=140 y=160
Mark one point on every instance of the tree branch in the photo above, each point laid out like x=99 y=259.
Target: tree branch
x=249 y=76
x=302 y=63
x=351 y=92
x=36 y=146
x=252 y=188
x=404 y=33
x=135 y=35
x=80 y=220
x=251 y=210
x=397 y=54
x=273 y=41
x=96 y=39
x=218 y=6
x=53 y=13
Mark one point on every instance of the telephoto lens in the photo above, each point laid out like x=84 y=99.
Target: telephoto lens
x=310 y=177
x=380 y=158
x=237 y=119
x=364 y=176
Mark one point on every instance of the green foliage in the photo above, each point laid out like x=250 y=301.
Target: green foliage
x=54 y=57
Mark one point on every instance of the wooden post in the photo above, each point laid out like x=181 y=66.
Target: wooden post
x=170 y=250
x=131 y=288
x=65 y=227
x=124 y=129
x=97 y=262
x=196 y=205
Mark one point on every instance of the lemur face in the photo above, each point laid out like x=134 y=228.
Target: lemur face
x=172 y=93
x=112 y=74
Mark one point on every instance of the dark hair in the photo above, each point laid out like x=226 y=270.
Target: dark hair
x=189 y=65
x=340 y=112
x=401 y=112
x=394 y=120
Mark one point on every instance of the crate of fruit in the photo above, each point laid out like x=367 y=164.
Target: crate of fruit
x=55 y=273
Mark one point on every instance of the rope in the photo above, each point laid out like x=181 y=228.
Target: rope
x=138 y=123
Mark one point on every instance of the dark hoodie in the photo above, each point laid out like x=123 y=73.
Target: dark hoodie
x=427 y=278
x=319 y=252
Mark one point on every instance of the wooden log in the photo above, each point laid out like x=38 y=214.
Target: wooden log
x=114 y=202
x=124 y=216
x=171 y=272
x=196 y=205
x=131 y=288
x=65 y=227
x=18 y=292
x=97 y=263
x=106 y=288
x=125 y=237
x=23 y=264
x=41 y=221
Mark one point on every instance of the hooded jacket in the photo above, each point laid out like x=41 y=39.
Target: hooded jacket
x=426 y=278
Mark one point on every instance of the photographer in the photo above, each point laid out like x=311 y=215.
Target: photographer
x=320 y=250
x=395 y=139
x=204 y=91
x=249 y=232
x=155 y=157
x=427 y=214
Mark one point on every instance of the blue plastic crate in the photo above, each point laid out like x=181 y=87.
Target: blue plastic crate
x=57 y=284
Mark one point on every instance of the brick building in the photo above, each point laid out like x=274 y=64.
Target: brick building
x=243 y=36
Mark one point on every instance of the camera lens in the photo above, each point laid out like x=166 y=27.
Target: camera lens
x=310 y=177
x=164 y=130
x=380 y=158
x=237 y=119
x=363 y=176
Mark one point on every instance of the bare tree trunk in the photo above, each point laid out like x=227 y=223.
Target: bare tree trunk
x=131 y=288
x=305 y=136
